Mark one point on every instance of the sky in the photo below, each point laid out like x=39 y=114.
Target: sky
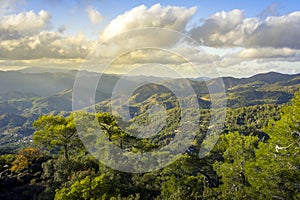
x=231 y=38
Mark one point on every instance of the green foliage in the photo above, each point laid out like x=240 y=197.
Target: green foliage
x=239 y=160
x=251 y=119
x=87 y=188
x=276 y=171
x=261 y=169
x=57 y=133
x=236 y=151
x=185 y=187
x=61 y=172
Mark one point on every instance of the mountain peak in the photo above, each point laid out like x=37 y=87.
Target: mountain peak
x=269 y=77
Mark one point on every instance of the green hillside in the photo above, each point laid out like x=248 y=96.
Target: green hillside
x=271 y=88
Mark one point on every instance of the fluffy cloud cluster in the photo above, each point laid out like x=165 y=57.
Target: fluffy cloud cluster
x=219 y=29
x=262 y=38
x=277 y=32
x=23 y=24
x=44 y=45
x=27 y=36
x=263 y=41
x=274 y=53
x=170 y=17
x=141 y=27
x=227 y=29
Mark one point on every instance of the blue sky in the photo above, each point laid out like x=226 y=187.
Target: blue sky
x=241 y=37
x=71 y=13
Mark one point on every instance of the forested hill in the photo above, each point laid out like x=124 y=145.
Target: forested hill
x=29 y=93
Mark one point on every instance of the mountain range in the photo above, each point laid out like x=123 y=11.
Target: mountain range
x=27 y=94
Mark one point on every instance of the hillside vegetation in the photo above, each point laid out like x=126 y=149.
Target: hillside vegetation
x=256 y=157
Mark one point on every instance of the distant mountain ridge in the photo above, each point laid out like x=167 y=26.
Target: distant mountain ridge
x=265 y=78
x=38 y=83
x=270 y=77
x=26 y=96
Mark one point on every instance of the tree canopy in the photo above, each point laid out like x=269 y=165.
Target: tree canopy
x=56 y=133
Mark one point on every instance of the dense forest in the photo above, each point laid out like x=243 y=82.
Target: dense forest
x=256 y=157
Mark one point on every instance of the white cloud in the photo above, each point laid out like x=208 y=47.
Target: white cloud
x=279 y=32
x=228 y=29
x=27 y=36
x=143 y=27
x=25 y=23
x=94 y=15
x=45 y=45
x=247 y=68
x=149 y=56
x=170 y=17
x=42 y=62
x=255 y=57
x=173 y=56
x=270 y=40
x=260 y=53
x=219 y=29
